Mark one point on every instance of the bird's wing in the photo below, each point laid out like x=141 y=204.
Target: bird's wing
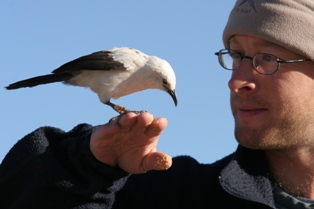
x=101 y=60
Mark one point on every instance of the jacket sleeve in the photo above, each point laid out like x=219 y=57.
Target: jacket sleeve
x=50 y=168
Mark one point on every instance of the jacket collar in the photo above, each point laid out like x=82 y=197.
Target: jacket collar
x=247 y=177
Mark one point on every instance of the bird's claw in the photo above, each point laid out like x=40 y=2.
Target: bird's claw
x=116 y=119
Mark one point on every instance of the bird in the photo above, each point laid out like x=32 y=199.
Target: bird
x=111 y=74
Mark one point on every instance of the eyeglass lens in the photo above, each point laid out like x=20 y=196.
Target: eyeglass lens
x=262 y=63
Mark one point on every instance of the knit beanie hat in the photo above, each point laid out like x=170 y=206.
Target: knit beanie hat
x=288 y=23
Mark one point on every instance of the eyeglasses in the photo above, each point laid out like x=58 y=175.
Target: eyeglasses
x=265 y=64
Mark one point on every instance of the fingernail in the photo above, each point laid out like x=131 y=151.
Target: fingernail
x=158 y=119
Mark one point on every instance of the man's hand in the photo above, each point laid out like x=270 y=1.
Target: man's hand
x=131 y=143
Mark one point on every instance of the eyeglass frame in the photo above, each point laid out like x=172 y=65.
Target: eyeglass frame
x=219 y=54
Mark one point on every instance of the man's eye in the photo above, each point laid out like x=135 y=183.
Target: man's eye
x=269 y=58
x=235 y=55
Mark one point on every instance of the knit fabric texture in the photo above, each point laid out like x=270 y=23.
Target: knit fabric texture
x=289 y=24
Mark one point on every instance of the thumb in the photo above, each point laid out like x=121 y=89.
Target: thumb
x=156 y=161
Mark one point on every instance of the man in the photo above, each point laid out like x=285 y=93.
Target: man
x=270 y=52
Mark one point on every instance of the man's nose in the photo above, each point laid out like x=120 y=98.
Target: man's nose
x=242 y=79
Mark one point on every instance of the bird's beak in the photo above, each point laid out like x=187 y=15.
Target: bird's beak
x=173 y=95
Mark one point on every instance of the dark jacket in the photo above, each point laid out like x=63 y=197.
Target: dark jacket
x=50 y=168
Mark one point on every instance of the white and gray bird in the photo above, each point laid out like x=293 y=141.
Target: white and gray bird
x=111 y=73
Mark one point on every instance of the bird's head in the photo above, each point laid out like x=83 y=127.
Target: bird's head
x=163 y=76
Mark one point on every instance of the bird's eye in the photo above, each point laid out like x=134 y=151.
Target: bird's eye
x=164 y=81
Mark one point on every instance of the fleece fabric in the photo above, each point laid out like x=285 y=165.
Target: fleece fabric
x=50 y=168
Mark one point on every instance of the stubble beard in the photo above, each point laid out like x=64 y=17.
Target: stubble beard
x=284 y=131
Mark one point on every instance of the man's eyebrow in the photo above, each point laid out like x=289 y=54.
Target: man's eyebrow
x=232 y=40
x=260 y=42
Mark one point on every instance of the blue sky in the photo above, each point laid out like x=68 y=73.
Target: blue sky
x=38 y=36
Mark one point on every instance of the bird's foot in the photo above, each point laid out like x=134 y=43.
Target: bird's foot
x=116 y=119
x=122 y=111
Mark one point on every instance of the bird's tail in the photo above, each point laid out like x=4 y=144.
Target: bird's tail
x=44 y=79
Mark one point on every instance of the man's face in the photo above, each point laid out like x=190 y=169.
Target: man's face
x=272 y=111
